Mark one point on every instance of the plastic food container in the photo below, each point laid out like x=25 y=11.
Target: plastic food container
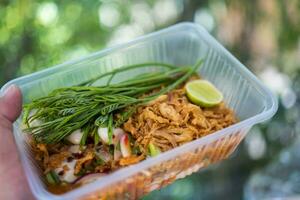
x=182 y=44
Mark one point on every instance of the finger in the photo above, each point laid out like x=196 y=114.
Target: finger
x=11 y=103
x=16 y=187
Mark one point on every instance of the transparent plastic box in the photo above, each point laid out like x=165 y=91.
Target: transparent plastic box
x=181 y=44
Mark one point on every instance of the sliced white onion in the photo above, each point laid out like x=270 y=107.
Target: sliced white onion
x=103 y=134
x=75 y=137
x=76 y=148
x=117 y=132
x=125 y=146
x=103 y=153
x=117 y=154
x=67 y=176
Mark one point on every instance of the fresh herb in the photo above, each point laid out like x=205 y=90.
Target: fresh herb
x=52 y=178
x=88 y=130
x=96 y=138
x=136 y=150
x=111 y=149
x=118 y=146
x=99 y=161
x=110 y=128
x=87 y=107
x=82 y=172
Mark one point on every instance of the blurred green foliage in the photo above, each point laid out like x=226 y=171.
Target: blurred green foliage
x=264 y=35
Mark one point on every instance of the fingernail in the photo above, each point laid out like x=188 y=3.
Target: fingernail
x=10 y=89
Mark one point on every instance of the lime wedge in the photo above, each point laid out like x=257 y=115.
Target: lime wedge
x=203 y=93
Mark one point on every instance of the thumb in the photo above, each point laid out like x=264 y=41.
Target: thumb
x=11 y=103
x=12 y=182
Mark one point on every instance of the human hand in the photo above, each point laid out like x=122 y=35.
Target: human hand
x=13 y=184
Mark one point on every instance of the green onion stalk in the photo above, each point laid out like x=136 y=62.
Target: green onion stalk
x=88 y=107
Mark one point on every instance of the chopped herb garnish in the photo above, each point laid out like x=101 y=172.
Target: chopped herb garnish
x=52 y=178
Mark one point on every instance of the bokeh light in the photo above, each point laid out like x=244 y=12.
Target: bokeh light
x=47 y=13
x=256 y=144
x=166 y=11
x=109 y=15
x=205 y=18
